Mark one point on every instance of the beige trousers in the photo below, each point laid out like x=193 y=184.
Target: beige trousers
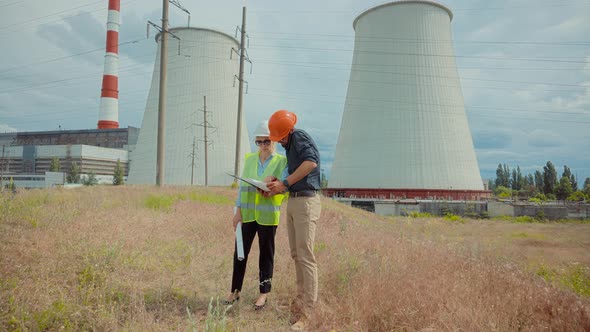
x=303 y=214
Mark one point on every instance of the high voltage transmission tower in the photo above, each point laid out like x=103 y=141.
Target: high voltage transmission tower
x=206 y=142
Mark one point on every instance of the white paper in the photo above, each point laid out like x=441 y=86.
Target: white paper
x=239 y=242
x=258 y=184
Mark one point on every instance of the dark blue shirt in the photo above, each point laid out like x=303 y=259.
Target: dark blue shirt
x=300 y=148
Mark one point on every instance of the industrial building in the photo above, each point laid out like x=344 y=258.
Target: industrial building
x=404 y=131
x=120 y=138
x=27 y=156
x=199 y=65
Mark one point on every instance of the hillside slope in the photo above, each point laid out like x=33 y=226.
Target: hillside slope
x=139 y=258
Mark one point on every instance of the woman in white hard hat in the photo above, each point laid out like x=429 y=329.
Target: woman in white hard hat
x=258 y=215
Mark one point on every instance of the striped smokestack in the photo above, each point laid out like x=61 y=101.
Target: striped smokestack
x=108 y=116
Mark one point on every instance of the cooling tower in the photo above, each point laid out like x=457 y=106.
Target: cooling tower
x=201 y=66
x=404 y=129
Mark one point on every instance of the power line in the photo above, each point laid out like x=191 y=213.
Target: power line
x=294 y=63
x=368 y=109
x=395 y=104
x=335 y=63
x=86 y=77
x=413 y=40
x=72 y=112
x=68 y=56
x=539 y=59
x=49 y=15
x=56 y=20
x=454 y=77
x=349 y=12
x=10 y=4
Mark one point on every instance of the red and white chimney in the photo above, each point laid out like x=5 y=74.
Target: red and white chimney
x=108 y=116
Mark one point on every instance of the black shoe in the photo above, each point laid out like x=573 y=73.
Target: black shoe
x=260 y=307
x=228 y=302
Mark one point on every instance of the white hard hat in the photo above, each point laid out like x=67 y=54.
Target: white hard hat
x=262 y=130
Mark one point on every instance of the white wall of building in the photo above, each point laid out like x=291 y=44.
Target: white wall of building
x=30 y=181
x=79 y=151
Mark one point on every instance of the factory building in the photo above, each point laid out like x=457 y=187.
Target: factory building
x=404 y=131
x=26 y=157
x=120 y=138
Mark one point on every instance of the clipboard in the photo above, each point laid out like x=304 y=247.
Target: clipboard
x=255 y=183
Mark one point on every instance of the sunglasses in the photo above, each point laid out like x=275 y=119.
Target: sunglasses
x=265 y=142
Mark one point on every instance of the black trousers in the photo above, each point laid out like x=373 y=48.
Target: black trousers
x=266 y=242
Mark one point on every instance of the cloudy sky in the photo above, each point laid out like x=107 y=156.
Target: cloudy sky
x=524 y=68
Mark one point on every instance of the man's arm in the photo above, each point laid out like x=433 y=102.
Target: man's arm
x=302 y=171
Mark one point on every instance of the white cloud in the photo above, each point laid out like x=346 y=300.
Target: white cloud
x=6 y=129
x=515 y=114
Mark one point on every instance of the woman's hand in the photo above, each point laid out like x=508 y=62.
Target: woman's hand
x=237 y=218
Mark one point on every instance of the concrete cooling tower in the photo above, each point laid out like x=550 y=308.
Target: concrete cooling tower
x=404 y=130
x=201 y=66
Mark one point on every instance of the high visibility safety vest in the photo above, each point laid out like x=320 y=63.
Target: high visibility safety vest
x=255 y=207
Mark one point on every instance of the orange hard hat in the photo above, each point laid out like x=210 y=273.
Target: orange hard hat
x=280 y=124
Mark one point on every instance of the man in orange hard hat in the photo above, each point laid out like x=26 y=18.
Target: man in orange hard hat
x=303 y=207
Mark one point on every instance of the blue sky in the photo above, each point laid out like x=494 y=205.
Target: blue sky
x=521 y=112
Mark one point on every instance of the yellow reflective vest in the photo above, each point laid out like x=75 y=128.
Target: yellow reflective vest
x=255 y=207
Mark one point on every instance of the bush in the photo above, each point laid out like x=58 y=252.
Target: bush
x=503 y=192
x=578 y=196
x=74 y=174
x=525 y=219
x=90 y=180
x=10 y=185
x=159 y=202
x=453 y=217
x=118 y=176
x=415 y=214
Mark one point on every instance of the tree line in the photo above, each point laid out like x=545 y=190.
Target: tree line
x=540 y=185
x=74 y=176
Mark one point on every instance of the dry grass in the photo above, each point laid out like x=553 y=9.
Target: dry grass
x=139 y=258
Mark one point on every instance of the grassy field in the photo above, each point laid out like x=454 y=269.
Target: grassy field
x=139 y=258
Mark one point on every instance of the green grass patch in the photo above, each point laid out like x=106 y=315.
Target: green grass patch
x=348 y=267
x=216 y=320
x=415 y=214
x=210 y=198
x=159 y=202
x=56 y=317
x=524 y=235
x=165 y=202
x=575 y=278
x=578 y=279
x=525 y=219
x=453 y=217
x=319 y=247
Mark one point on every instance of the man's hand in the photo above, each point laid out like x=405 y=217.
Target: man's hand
x=265 y=194
x=276 y=187
x=270 y=179
x=237 y=218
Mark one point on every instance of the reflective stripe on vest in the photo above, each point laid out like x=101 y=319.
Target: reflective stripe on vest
x=255 y=207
